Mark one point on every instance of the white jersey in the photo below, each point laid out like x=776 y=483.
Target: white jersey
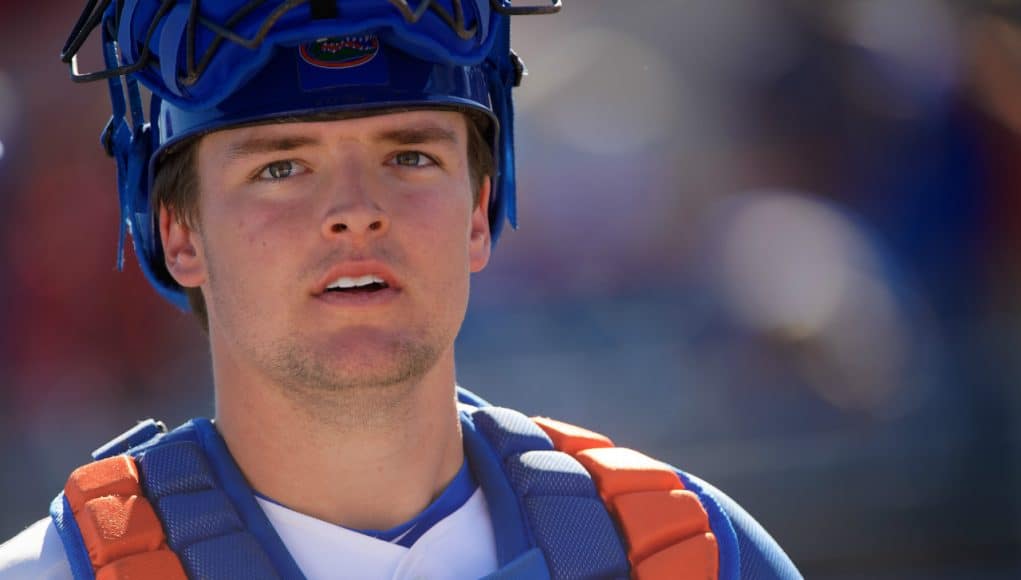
x=459 y=546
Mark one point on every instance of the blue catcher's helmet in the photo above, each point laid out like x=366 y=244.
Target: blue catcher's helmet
x=217 y=64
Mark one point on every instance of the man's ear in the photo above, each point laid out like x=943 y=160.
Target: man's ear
x=479 y=244
x=182 y=250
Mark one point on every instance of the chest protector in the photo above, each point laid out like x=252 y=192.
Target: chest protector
x=564 y=502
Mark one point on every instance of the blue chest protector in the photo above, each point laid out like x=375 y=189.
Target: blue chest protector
x=548 y=518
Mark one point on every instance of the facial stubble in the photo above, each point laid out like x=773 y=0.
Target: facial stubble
x=364 y=383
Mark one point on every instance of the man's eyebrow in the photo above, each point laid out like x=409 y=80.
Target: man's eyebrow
x=258 y=145
x=418 y=135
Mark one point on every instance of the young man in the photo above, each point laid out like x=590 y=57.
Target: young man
x=320 y=198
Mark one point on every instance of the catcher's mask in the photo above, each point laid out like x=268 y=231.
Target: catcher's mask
x=218 y=64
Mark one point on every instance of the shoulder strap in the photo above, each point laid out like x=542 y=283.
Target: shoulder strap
x=117 y=505
x=117 y=524
x=576 y=488
x=561 y=510
x=665 y=526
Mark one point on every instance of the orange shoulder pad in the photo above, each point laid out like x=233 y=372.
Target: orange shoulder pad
x=620 y=470
x=569 y=438
x=693 y=558
x=653 y=520
x=118 y=525
x=116 y=475
x=666 y=528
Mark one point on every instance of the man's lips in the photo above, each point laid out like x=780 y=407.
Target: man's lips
x=355 y=269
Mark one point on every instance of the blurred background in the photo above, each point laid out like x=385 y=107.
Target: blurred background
x=768 y=241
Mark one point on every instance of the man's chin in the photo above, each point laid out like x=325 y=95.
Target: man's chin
x=362 y=363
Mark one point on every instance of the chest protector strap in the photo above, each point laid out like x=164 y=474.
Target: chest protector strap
x=119 y=503
x=554 y=466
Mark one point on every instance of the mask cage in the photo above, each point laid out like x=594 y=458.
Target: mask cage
x=93 y=15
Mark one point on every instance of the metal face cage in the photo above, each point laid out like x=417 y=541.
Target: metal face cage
x=93 y=15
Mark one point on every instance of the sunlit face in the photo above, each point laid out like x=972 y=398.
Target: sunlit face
x=335 y=254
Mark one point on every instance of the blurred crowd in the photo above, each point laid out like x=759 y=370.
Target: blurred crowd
x=767 y=240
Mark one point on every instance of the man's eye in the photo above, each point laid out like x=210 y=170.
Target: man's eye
x=412 y=159
x=281 y=170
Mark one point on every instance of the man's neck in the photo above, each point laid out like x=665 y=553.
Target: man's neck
x=368 y=458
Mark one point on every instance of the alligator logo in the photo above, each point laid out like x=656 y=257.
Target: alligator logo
x=341 y=51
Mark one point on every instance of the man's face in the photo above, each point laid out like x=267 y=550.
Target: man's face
x=288 y=210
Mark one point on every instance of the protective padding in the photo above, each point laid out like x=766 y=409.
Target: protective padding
x=620 y=470
x=173 y=468
x=548 y=473
x=570 y=438
x=202 y=524
x=567 y=519
x=510 y=432
x=158 y=565
x=232 y=556
x=559 y=522
x=192 y=517
x=115 y=526
x=692 y=559
x=114 y=476
x=665 y=526
x=653 y=520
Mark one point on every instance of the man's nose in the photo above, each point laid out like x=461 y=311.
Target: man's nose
x=354 y=211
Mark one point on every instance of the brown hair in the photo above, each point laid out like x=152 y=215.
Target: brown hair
x=175 y=184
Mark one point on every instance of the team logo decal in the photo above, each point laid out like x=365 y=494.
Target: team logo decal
x=340 y=52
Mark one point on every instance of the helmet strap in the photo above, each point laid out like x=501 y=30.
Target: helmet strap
x=126 y=140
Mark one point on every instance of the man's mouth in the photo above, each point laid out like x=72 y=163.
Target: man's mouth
x=358 y=284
